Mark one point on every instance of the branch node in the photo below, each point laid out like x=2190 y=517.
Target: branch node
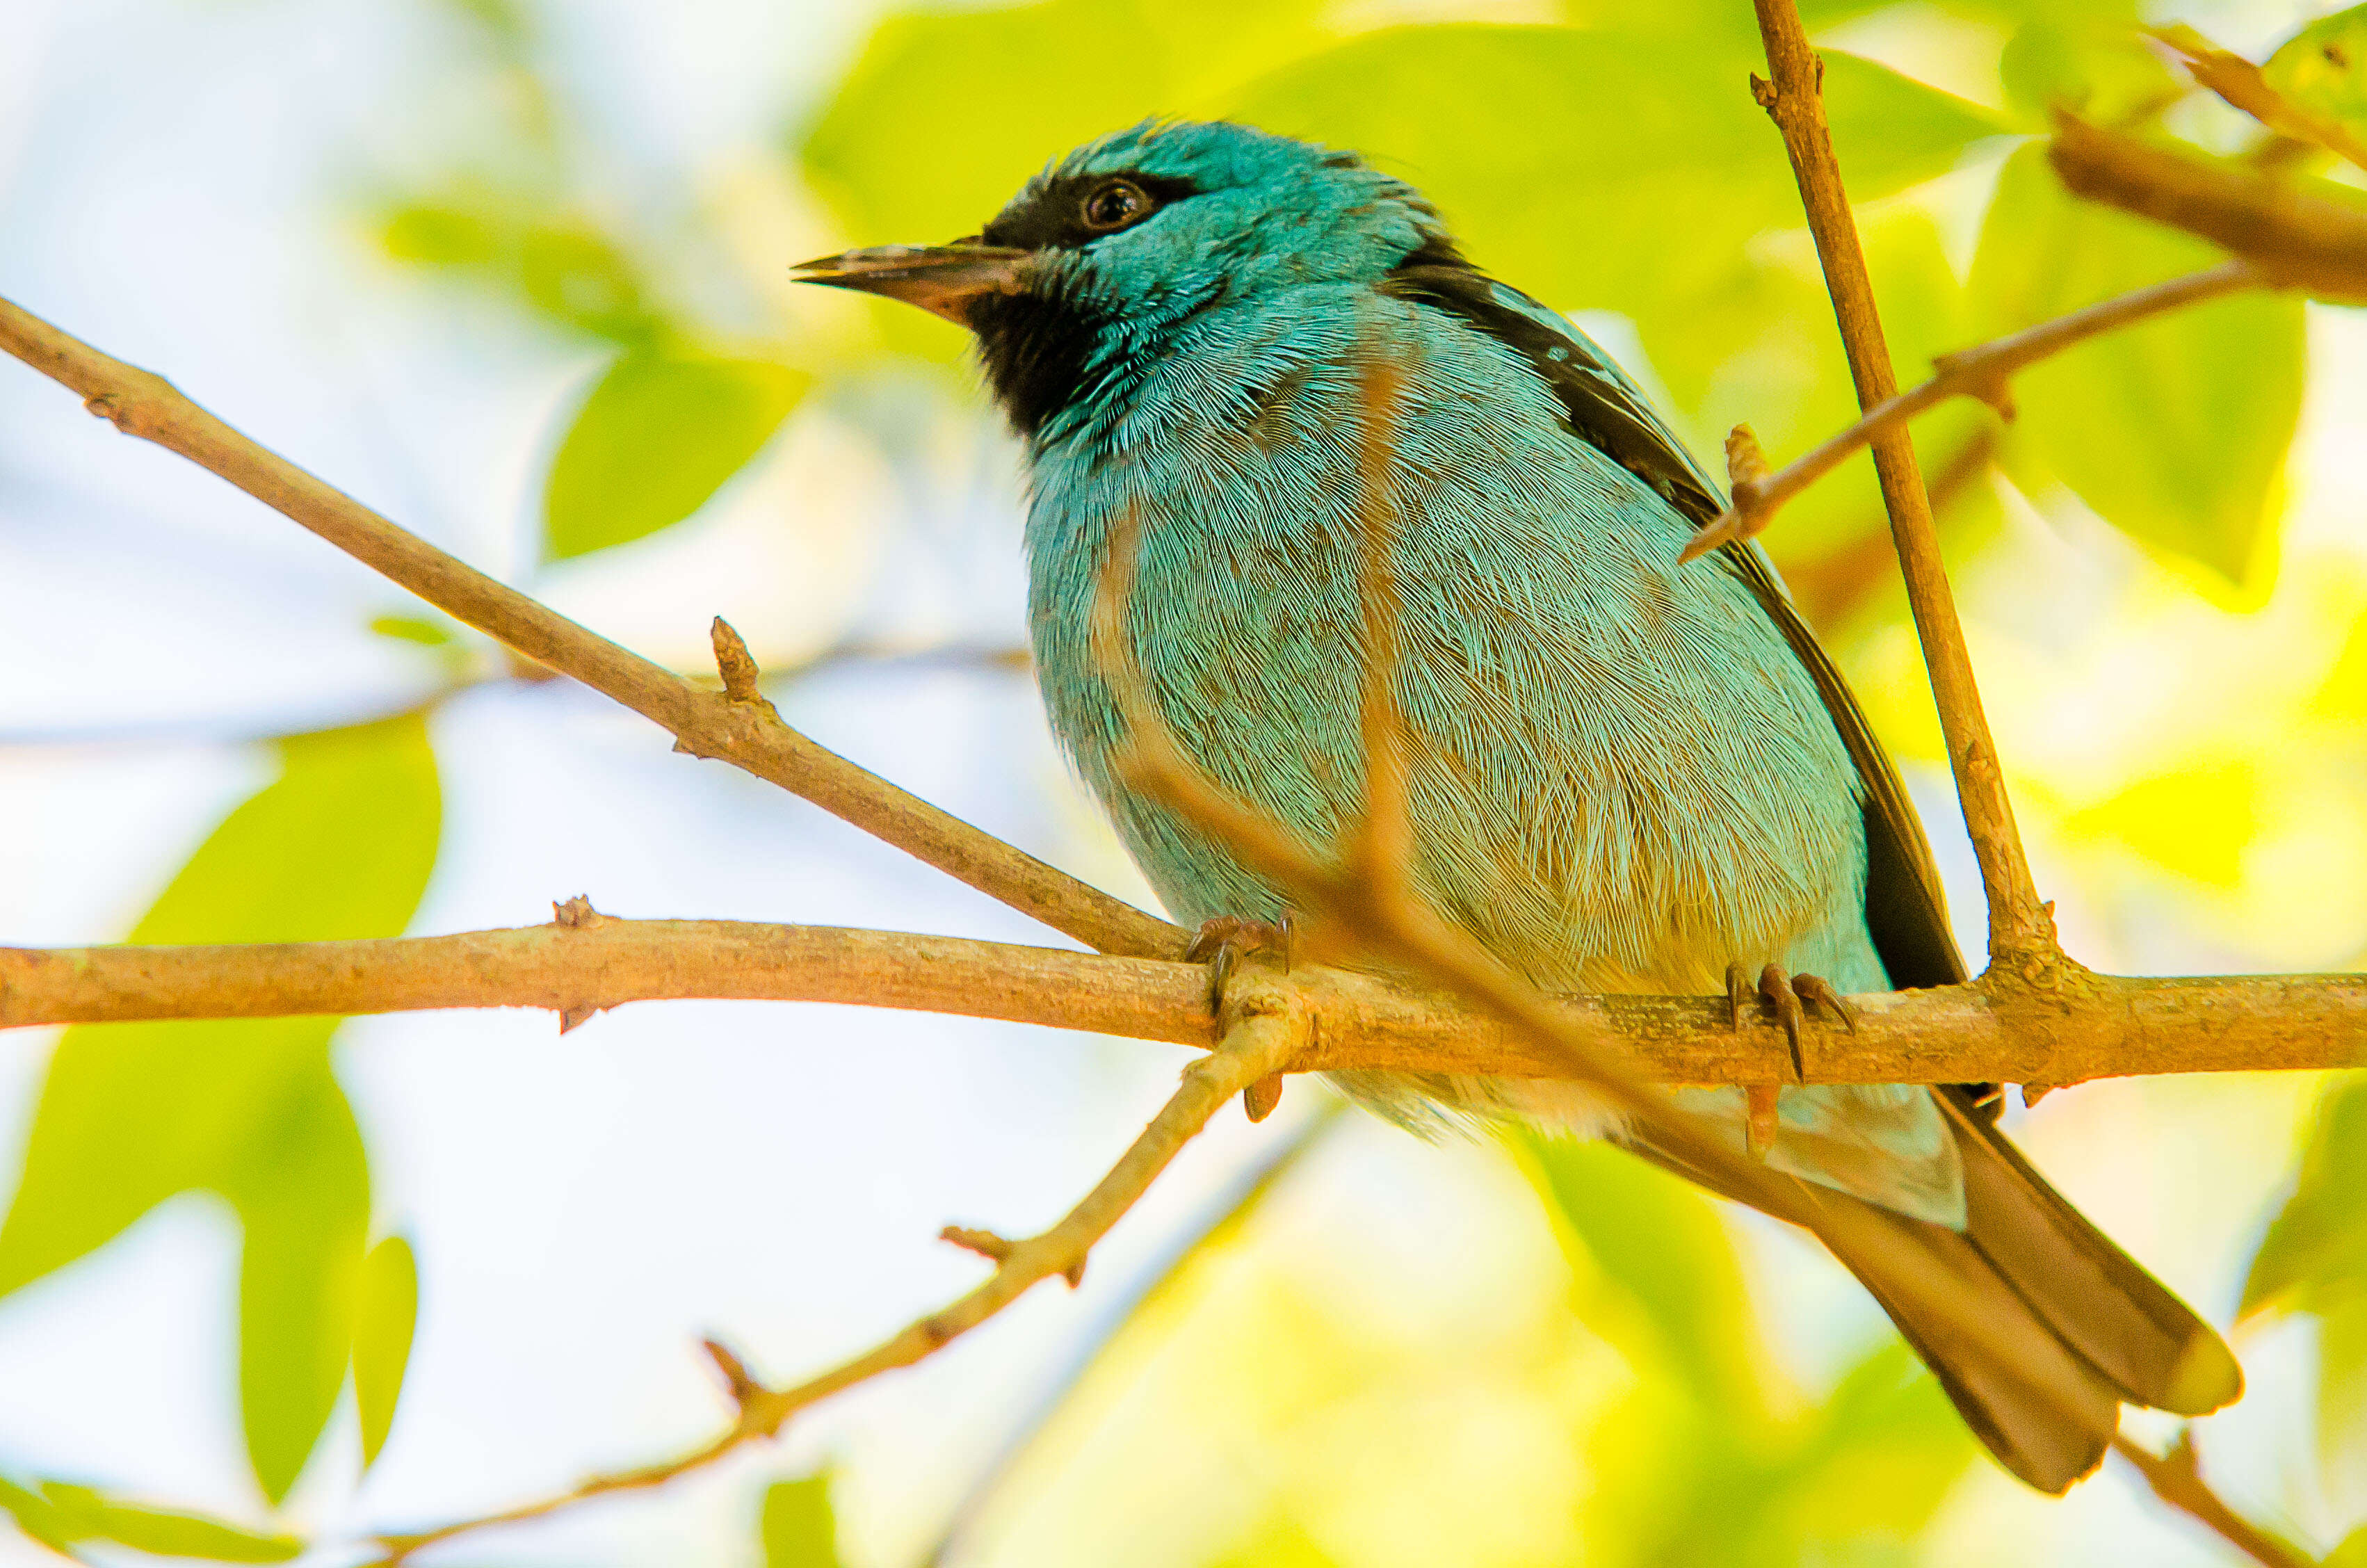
x=1764 y=92
x=575 y=1017
x=742 y=1384
x=577 y=913
x=738 y=667
x=1260 y=1098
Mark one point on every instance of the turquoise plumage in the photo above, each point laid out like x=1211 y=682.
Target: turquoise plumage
x=1625 y=774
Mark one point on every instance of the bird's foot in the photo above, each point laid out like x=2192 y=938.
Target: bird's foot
x=1221 y=943
x=1789 y=995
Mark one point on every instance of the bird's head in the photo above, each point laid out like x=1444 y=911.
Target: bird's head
x=1095 y=264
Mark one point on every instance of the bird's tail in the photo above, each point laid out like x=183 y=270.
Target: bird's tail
x=2089 y=1327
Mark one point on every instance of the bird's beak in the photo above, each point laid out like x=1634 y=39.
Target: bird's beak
x=943 y=280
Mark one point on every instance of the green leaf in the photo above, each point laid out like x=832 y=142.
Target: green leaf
x=558 y=262
x=799 y=1529
x=38 y=1518
x=162 y=1532
x=389 y=1312
x=948 y=112
x=339 y=847
x=1600 y=170
x=301 y=1187
x=2323 y=68
x=2174 y=431
x=2103 y=70
x=1660 y=1247
x=2315 y=1255
x=412 y=629
x=659 y=435
x=2342 y=1397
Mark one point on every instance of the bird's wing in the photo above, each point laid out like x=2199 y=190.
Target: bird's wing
x=1905 y=908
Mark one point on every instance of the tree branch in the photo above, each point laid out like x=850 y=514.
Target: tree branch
x=2019 y=925
x=703 y=723
x=1256 y=1046
x=2176 y=1478
x=1981 y=371
x=1944 y=1035
x=2313 y=239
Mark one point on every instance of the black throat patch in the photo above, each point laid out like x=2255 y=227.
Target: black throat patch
x=1035 y=348
x=1036 y=345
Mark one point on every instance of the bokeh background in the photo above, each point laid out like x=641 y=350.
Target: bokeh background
x=515 y=274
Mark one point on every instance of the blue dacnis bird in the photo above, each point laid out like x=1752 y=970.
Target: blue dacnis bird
x=1625 y=774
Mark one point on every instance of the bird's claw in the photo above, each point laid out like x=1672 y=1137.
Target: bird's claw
x=1789 y=995
x=1221 y=943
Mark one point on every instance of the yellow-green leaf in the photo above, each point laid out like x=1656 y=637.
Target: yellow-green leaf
x=2323 y=68
x=947 y=112
x=659 y=435
x=91 y=1515
x=1679 y=1295
x=301 y=1187
x=2175 y=431
x=389 y=1312
x=1600 y=170
x=799 y=1529
x=340 y=845
x=2315 y=1255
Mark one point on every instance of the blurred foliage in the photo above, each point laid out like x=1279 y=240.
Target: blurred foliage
x=2323 y=68
x=1614 y=165
x=132 y=1114
x=659 y=435
x=2314 y=1260
x=1711 y=1462
x=798 y=1528
x=2176 y=429
x=65 y=1518
x=384 y=1319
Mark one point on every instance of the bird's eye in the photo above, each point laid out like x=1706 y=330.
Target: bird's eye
x=1114 y=205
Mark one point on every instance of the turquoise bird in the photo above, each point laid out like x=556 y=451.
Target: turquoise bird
x=1626 y=775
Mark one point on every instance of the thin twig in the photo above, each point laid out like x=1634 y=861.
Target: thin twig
x=1221 y=1216
x=2310 y=237
x=1982 y=372
x=1942 y=1034
x=2022 y=929
x=1381 y=847
x=2176 y=1478
x=704 y=723
x=1259 y=1044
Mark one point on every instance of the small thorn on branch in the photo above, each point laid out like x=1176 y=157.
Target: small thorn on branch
x=1762 y=92
x=577 y=913
x=1260 y=1098
x=986 y=1244
x=1747 y=477
x=737 y=667
x=737 y=1379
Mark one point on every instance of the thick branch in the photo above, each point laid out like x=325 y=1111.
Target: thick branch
x=1256 y=1047
x=2312 y=239
x=2100 y=1027
x=704 y=723
x=2019 y=923
x=1981 y=372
